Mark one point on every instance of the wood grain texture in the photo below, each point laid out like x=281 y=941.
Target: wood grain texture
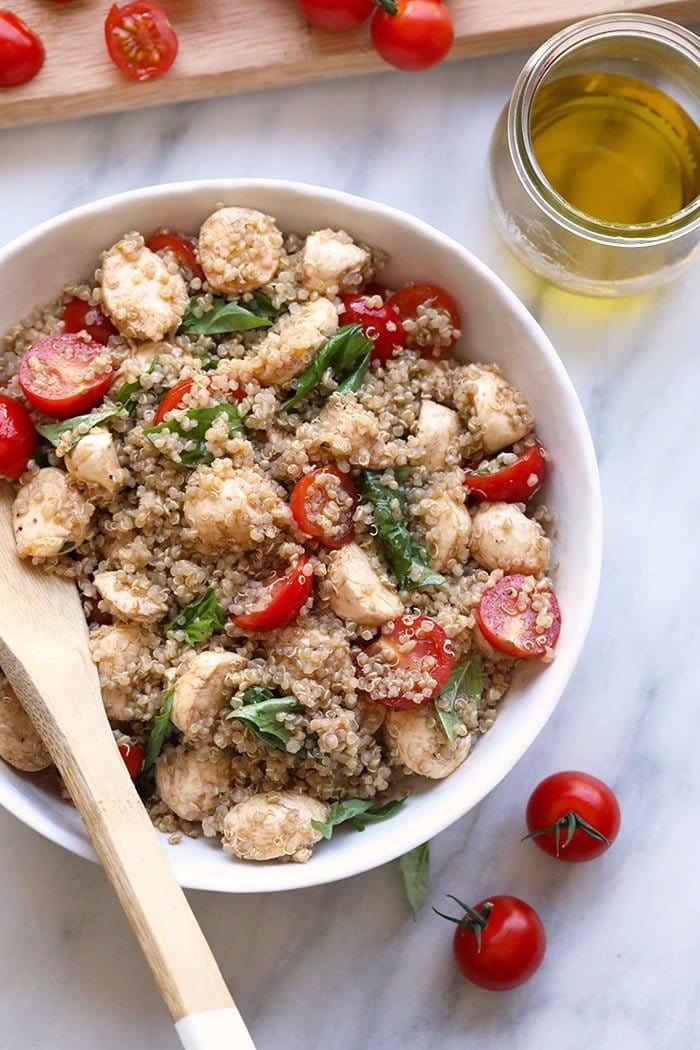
x=44 y=653
x=228 y=46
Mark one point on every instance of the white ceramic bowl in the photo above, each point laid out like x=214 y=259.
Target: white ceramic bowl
x=497 y=327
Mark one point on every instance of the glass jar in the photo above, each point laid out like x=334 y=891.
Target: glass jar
x=565 y=246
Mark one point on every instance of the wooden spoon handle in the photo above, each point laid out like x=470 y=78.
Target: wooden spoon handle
x=84 y=751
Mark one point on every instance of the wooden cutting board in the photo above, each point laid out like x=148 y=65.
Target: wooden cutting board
x=244 y=45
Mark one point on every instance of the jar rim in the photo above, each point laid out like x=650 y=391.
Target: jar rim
x=546 y=198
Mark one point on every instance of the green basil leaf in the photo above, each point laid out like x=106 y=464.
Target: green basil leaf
x=346 y=353
x=224 y=316
x=353 y=382
x=358 y=810
x=259 y=712
x=402 y=551
x=197 y=452
x=415 y=869
x=375 y=816
x=467 y=679
x=263 y=307
x=126 y=393
x=160 y=731
x=199 y=619
x=53 y=432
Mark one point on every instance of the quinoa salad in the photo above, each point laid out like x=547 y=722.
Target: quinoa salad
x=300 y=528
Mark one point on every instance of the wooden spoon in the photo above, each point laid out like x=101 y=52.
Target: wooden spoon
x=44 y=653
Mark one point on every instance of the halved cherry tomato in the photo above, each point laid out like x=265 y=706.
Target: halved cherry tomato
x=18 y=438
x=337 y=14
x=414 y=644
x=63 y=376
x=134 y=757
x=79 y=316
x=140 y=39
x=379 y=323
x=407 y=302
x=573 y=816
x=507 y=617
x=181 y=248
x=21 y=51
x=416 y=37
x=499 y=943
x=516 y=483
x=310 y=498
x=283 y=601
x=173 y=398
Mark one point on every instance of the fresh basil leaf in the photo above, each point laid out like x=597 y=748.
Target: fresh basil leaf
x=259 y=712
x=160 y=731
x=204 y=417
x=346 y=353
x=467 y=679
x=358 y=810
x=402 y=551
x=126 y=393
x=263 y=307
x=415 y=869
x=199 y=619
x=53 y=432
x=353 y=382
x=375 y=816
x=224 y=316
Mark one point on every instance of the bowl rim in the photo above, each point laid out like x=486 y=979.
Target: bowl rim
x=298 y=876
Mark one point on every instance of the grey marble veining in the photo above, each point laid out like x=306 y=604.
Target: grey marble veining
x=343 y=967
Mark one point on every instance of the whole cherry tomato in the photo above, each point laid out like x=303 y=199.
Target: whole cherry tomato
x=21 y=51
x=337 y=14
x=573 y=816
x=499 y=943
x=18 y=438
x=418 y=36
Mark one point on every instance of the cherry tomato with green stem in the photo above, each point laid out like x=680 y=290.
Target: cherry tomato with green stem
x=573 y=816
x=499 y=943
x=417 y=36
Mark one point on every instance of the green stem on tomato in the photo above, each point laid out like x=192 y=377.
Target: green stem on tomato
x=571 y=821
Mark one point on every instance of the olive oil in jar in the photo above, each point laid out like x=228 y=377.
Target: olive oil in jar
x=616 y=148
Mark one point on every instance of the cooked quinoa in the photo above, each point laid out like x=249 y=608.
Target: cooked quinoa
x=182 y=528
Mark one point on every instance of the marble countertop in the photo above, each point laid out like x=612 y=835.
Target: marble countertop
x=343 y=966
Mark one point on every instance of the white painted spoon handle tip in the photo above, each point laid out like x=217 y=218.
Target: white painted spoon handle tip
x=214 y=1030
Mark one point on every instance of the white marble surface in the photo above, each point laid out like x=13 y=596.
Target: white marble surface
x=343 y=967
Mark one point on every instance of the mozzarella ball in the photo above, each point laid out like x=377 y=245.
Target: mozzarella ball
x=357 y=591
x=141 y=295
x=239 y=249
x=415 y=740
x=503 y=537
x=192 y=783
x=49 y=515
x=233 y=508
x=273 y=825
x=20 y=744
